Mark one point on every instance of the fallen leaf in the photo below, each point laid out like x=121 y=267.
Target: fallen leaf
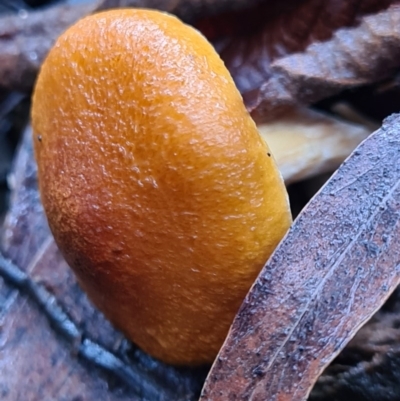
x=250 y=40
x=330 y=274
x=306 y=143
x=353 y=57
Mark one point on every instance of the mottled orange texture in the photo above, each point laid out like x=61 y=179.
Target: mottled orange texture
x=157 y=186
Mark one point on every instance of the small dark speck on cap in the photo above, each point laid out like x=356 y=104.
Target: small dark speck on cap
x=39 y=138
x=269 y=154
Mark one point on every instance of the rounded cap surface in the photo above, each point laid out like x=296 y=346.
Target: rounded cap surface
x=158 y=189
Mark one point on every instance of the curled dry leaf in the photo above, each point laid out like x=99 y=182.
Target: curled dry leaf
x=249 y=41
x=334 y=269
x=353 y=57
x=307 y=143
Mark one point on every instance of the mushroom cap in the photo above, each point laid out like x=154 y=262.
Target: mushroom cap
x=158 y=189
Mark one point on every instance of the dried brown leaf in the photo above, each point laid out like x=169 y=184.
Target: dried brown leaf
x=353 y=57
x=334 y=269
x=249 y=41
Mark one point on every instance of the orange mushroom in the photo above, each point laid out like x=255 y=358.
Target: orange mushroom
x=158 y=188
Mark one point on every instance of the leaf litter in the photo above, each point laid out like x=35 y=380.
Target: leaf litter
x=317 y=316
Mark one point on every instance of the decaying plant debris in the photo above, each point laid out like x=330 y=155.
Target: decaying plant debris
x=284 y=56
x=321 y=284
x=319 y=143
